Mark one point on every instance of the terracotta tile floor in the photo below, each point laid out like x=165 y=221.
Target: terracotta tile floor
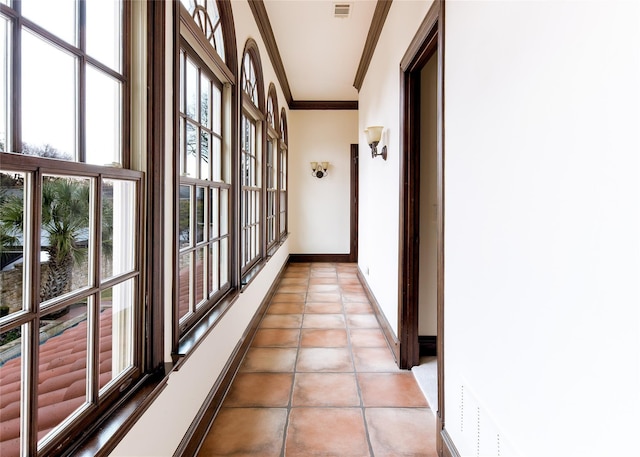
x=320 y=380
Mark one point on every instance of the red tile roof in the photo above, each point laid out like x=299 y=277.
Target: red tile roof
x=62 y=381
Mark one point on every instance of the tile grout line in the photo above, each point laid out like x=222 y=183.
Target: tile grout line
x=355 y=374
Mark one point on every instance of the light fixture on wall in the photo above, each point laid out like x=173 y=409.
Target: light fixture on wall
x=319 y=169
x=374 y=134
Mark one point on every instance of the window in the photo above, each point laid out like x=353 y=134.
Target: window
x=282 y=175
x=203 y=233
x=84 y=65
x=70 y=246
x=251 y=161
x=206 y=16
x=271 y=164
x=203 y=199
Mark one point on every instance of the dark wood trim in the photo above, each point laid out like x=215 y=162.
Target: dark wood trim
x=377 y=22
x=419 y=44
x=305 y=258
x=196 y=32
x=354 y=202
x=264 y=25
x=102 y=437
x=261 y=17
x=428 y=40
x=389 y=334
x=427 y=345
x=198 y=332
x=200 y=425
x=323 y=105
x=155 y=236
x=447 y=449
x=410 y=189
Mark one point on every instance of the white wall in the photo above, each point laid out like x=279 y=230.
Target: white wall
x=379 y=180
x=159 y=431
x=542 y=228
x=319 y=209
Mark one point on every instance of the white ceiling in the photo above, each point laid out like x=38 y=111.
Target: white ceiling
x=320 y=52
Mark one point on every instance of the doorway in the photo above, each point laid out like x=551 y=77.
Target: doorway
x=422 y=200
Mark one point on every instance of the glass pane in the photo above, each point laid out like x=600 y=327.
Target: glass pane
x=182 y=70
x=65 y=235
x=200 y=272
x=191 y=79
x=5 y=43
x=216 y=125
x=116 y=333
x=184 y=224
x=10 y=384
x=224 y=212
x=57 y=17
x=48 y=116
x=214 y=269
x=104 y=32
x=216 y=159
x=104 y=119
x=213 y=213
x=182 y=134
x=224 y=261
x=205 y=101
x=119 y=211
x=189 y=4
x=283 y=212
x=12 y=271
x=62 y=373
x=192 y=150
x=200 y=227
x=205 y=143
x=184 y=280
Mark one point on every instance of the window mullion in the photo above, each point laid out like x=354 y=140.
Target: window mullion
x=33 y=220
x=15 y=129
x=95 y=252
x=81 y=89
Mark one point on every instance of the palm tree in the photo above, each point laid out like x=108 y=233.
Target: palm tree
x=64 y=224
x=65 y=219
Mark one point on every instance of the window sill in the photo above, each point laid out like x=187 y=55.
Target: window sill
x=101 y=439
x=192 y=339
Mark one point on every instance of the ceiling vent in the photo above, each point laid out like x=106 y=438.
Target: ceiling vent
x=341 y=10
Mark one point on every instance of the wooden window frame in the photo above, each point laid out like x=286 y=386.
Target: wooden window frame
x=272 y=232
x=189 y=36
x=283 y=178
x=255 y=113
x=83 y=60
x=97 y=403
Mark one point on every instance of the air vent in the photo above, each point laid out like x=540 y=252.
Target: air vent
x=341 y=10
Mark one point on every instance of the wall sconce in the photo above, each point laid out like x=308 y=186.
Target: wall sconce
x=374 y=134
x=319 y=169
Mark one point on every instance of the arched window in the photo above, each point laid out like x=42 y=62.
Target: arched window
x=282 y=175
x=251 y=160
x=271 y=164
x=206 y=15
x=204 y=152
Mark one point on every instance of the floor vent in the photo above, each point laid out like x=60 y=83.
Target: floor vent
x=341 y=10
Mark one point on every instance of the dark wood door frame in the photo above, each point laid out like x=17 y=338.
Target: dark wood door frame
x=353 y=249
x=428 y=42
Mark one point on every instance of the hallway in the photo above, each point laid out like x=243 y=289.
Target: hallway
x=320 y=380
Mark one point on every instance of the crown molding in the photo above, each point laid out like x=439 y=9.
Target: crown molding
x=264 y=26
x=266 y=31
x=377 y=22
x=323 y=105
